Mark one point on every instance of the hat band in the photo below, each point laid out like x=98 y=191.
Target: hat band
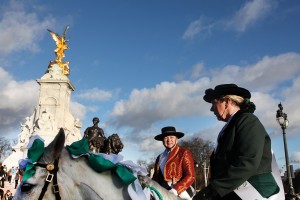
x=169 y=132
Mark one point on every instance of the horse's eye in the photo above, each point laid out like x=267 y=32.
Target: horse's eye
x=25 y=187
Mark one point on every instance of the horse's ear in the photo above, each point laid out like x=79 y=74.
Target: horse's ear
x=53 y=150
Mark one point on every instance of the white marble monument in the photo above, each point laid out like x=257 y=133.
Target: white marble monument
x=53 y=109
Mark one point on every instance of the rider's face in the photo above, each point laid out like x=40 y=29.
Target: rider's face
x=170 y=141
x=219 y=108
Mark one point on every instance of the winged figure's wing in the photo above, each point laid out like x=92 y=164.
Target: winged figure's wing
x=55 y=37
x=66 y=30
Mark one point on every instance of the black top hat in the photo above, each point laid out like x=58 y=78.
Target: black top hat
x=225 y=89
x=166 y=131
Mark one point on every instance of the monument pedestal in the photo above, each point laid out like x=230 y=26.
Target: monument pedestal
x=51 y=114
x=53 y=109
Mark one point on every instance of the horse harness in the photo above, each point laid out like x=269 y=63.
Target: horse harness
x=52 y=169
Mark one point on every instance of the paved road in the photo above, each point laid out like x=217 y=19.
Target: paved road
x=9 y=186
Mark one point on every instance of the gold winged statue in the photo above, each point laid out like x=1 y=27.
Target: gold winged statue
x=61 y=46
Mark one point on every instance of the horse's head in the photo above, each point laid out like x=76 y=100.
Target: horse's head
x=47 y=164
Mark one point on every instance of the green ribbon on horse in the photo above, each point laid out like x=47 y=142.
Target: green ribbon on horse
x=101 y=164
x=98 y=163
x=79 y=148
x=34 y=153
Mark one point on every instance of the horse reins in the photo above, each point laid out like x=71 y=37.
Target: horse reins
x=51 y=176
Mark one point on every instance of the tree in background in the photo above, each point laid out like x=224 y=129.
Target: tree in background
x=297 y=181
x=149 y=165
x=5 y=148
x=201 y=151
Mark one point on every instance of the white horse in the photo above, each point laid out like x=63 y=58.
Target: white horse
x=75 y=180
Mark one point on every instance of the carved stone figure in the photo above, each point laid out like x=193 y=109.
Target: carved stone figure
x=44 y=123
x=25 y=131
x=77 y=126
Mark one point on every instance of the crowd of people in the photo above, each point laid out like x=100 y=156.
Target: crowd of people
x=12 y=176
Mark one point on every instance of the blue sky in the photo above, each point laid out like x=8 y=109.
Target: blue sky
x=143 y=65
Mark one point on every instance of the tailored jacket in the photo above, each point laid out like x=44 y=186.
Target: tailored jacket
x=243 y=154
x=179 y=169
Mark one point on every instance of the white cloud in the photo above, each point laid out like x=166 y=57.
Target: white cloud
x=20 y=30
x=167 y=100
x=174 y=100
x=264 y=75
x=201 y=26
x=266 y=107
x=270 y=71
x=291 y=96
x=194 y=29
x=194 y=73
x=250 y=14
x=78 y=110
x=294 y=89
x=295 y=158
x=197 y=70
x=271 y=80
x=95 y=94
x=211 y=133
x=18 y=99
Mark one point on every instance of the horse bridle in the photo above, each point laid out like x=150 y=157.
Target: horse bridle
x=51 y=176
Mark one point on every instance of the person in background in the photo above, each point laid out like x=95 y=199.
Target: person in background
x=243 y=152
x=1 y=194
x=17 y=178
x=8 y=195
x=21 y=173
x=9 y=175
x=13 y=172
x=174 y=168
x=5 y=171
x=2 y=176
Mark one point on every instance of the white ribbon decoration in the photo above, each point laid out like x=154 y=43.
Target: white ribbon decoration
x=247 y=192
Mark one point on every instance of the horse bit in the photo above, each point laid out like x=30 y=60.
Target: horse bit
x=51 y=176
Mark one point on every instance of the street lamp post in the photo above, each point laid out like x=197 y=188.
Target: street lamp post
x=196 y=166
x=205 y=170
x=282 y=120
x=204 y=173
